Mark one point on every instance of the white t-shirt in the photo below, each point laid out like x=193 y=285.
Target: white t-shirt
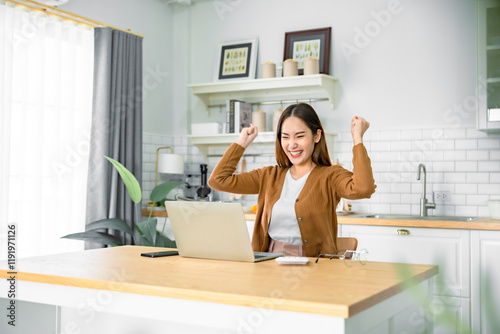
x=284 y=226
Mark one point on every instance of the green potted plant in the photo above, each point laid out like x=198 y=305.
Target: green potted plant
x=147 y=231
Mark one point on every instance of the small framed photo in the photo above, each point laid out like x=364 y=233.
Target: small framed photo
x=237 y=60
x=300 y=45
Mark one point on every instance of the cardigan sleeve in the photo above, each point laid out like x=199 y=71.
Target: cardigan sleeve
x=223 y=177
x=359 y=183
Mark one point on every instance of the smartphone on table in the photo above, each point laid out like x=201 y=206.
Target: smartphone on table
x=160 y=254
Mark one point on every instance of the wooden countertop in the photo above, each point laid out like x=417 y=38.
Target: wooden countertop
x=478 y=224
x=351 y=219
x=327 y=288
x=163 y=213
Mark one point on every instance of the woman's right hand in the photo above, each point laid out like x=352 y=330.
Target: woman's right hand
x=247 y=136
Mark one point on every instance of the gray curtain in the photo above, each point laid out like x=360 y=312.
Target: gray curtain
x=116 y=125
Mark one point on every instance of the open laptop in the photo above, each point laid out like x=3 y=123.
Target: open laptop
x=212 y=230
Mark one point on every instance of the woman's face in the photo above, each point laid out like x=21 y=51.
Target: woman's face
x=298 y=141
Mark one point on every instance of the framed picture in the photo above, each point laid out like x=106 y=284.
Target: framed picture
x=300 y=45
x=237 y=60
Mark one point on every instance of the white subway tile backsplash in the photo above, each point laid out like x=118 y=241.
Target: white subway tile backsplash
x=343 y=147
x=168 y=141
x=466 y=210
x=443 y=166
x=381 y=166
x=478 y=178
x=466 y=166
x=474 y=133
x=488 y=143
x=400 y=188
x=465 y=188
x=495 y=177
x=434 y=177
x=400 y=208
x=466 y=144
x=483 y=211
x=369 y=136
x=443 y=145
x=488 y=189
x=478 y=155
x=400 y=145
x=489 y=166
x=410 y=198
x=411 y=135
x=454 y=133
x=463 y=161
x=454 y=155
x=178 y=141
x=441 y=187
x=458 y=199
x=433 y=156
x=495 y=155
x=390 y=135
x=454 y=178
x=380 y=146
x=477 y=199
x=390 y=156
x=390 y=198
x=378 y=208
x=421 y=145
x=412 y=156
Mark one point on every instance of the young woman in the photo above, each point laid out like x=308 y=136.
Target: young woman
x=298 y=197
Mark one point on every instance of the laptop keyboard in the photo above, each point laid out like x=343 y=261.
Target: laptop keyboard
x=261 y=255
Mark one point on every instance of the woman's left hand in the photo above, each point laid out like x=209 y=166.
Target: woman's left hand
x=358 y=128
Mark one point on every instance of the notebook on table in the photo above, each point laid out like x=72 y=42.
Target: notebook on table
x=212 y=230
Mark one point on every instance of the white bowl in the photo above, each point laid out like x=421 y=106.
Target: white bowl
x=494 y=206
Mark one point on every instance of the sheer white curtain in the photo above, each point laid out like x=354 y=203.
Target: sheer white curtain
x=46 y=67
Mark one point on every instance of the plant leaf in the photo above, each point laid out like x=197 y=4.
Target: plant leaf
x=131 y=183
x=160 y=192
x=163 y=241
x=95 y=236
x=111 y=223
x=147 y=230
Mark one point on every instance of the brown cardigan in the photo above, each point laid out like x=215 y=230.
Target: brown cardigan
x=316 y=204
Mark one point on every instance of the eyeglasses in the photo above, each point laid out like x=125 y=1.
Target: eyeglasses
x=349 y=256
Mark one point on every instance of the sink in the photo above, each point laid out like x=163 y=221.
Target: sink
x=415 y=217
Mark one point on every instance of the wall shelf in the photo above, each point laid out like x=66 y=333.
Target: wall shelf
x=216 y=145
x=301 y=87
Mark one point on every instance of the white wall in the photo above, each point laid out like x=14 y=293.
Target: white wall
x=154 y=20
x=414 y=81
x=418 y=65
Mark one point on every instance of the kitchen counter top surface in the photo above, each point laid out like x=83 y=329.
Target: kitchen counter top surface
x=353 y=219
x=477 y=224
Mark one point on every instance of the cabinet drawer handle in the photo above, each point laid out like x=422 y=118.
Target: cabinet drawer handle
x=402 y=231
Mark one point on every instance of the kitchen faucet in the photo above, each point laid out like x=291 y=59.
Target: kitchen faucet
x=424 y=206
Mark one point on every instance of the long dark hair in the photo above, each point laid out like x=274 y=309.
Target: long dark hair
x=307 y=114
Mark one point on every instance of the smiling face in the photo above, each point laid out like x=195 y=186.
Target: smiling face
x=297 y=141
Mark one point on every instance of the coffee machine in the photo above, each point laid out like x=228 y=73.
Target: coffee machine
x=203 y=192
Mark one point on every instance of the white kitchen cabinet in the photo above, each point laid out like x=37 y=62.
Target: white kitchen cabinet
x=488 y=65
x=420 y=246
x=485 y=301
x=447 y=248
